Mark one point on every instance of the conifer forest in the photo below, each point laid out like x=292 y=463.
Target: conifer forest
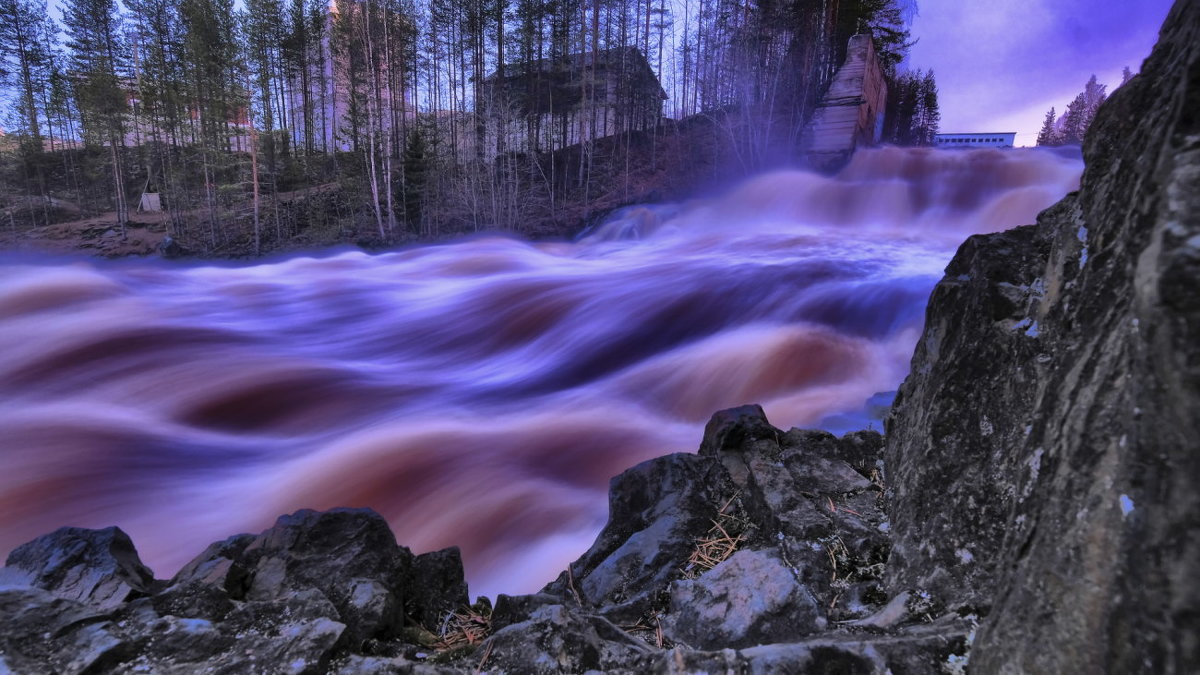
x=270 y=124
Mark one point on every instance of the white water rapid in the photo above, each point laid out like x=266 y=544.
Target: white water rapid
x=479 y=393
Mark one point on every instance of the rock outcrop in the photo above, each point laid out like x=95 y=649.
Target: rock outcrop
x=313 y=587
x=1043 y=453
x=767 y=548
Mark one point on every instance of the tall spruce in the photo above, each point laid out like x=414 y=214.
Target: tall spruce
x=25 y=68
x=1049 y=134
x=1080 y=112
x=99 y=66
x=210 y=62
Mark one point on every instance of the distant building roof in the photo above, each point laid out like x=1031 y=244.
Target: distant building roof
x=976 y=139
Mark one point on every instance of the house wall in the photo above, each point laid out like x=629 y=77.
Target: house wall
x=851 y=111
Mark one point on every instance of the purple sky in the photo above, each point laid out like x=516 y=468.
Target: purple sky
x=1001 y=64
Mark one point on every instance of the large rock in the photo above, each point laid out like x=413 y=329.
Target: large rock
x=42 y=632
x=561 y=639
x=348 y=556
x=656 y=511
x=752 y=598
x=1043 y=453
x=313 y=588
x=925 y=648
x=438 y=586
x=95 y=567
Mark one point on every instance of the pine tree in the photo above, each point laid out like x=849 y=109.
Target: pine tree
x=1093 y=97
x=158 y=31
x=416 y=169
x=1126 y=75
x=211 y=61
x=24 y=64
x=25 y=67
x=99 y=61
x=926 y=127
x=1049 y=135
x=1079 y=114
x=1073 y=124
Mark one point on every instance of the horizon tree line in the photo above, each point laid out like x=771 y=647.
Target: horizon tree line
x=216 y=108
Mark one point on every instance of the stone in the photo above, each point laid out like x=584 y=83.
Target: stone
x=1042 y=454
x=348 y=556
x=732 y=429
x=559 y=639
x=170 y=248
x=752 y=598
x=928 y=648
x=657 y=510
x=42 y=631
x=438 y=586
x=100 y=568
x=218 y=566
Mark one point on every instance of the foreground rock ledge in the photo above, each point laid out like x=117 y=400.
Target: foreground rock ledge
x=792 y=523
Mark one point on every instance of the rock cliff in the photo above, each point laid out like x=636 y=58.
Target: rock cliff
x=1043 y=453
x=1033 y=509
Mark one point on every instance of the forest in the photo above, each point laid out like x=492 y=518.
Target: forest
x=281 y=123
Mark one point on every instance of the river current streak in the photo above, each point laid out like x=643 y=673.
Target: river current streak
x=479 y=393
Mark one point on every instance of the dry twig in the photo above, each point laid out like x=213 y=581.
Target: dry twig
x=464 y=628
x=716 y=545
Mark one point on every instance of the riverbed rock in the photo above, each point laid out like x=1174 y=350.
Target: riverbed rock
x=99 y=568
x=561 y=639
x=656 y=511
x=750 y=599
x=315 y=587
x=438 y=586
x=1042 y=455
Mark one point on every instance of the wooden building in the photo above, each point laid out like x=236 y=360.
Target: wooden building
x=552 y=104
x=850 y=114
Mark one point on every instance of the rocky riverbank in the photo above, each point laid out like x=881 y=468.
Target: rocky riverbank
x=767 y=548
x=1032 y=510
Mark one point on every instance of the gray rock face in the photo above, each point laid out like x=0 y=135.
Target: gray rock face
x=559 y=639
x=95 y=567
x=314 y=587
x=1043 y=453
x=438 y=586
x=750 y=599
x=656 y=510
x=43 y=632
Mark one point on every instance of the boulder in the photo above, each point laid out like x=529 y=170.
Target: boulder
x=926 y=648
x=560 y=639
x=656 y=512
x=99 y=568
x=45 y=632
x=438 y=586
x=752 y=598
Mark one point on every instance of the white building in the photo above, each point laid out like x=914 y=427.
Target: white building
x=1003 y=139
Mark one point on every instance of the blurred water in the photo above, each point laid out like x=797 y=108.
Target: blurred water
x=479 y=393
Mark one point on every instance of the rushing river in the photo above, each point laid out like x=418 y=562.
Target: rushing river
x=479 y=393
